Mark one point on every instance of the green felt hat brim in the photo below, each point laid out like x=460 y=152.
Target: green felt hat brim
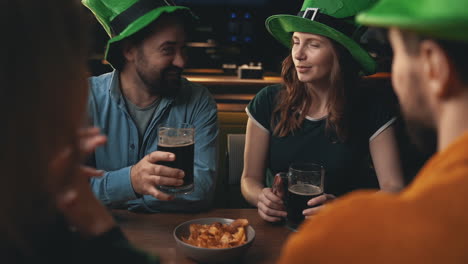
x=389 y=14
x=142 y=22
x=282 y=27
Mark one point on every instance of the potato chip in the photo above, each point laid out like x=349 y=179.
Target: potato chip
x=217 y=235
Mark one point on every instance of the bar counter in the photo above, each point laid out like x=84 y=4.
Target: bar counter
x=232 y=94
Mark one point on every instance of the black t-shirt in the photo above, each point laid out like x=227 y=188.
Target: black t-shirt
x=346 y=163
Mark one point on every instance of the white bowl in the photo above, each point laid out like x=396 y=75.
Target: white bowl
x=210 y=254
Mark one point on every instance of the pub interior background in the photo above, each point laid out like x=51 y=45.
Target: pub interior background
x=231 y=33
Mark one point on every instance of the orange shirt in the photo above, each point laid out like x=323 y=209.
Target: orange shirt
x=426 y=223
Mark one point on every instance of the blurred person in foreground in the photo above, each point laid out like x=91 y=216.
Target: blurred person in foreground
x=427 y=222
x=321 y=113
x=147 y=49
x=49 y=213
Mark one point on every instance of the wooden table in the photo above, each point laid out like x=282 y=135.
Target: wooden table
x=153 y=233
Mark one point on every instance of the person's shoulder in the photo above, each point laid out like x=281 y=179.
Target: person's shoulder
x=194 y=93
x=194 y=96
x=101 y=82
x=270 y=90
x=356 y=212
x=409 y=223
x=194 y=88
x=350 y=224
x=362 y=198
x=268 y=94
x=265 y=99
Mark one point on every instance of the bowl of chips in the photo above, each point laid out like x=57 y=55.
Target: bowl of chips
x=214 y=239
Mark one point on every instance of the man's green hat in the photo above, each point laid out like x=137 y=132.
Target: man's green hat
x=123 y=18
x=330 y=18
x=447 y=19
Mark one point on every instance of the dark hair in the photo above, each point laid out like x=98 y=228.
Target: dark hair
x=457 y=51
x=293 y=101
x=116 y=55
x=43 y=100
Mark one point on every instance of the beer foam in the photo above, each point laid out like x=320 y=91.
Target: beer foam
x=176 y=144
x=305 y=189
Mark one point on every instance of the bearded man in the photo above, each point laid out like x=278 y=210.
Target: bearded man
x=147 y=51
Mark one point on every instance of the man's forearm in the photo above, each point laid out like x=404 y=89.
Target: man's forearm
x=114 y=188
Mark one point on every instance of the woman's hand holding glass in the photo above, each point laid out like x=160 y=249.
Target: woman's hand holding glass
x=271 y=206
x=317 y=204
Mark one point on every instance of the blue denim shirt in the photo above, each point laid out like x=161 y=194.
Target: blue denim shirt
x=193 y=104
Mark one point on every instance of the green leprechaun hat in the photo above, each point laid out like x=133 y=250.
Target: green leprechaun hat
x=330 y=18
x=123 y=18
x=446 y=19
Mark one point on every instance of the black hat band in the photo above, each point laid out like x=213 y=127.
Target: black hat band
x=138 y=9
x=335 y=23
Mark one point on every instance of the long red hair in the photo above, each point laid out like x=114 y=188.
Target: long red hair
x=295 y=98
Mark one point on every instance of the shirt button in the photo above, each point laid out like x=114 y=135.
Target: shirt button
x=132 y=146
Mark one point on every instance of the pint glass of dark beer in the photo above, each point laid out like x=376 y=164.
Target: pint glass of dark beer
x=180 y=140
x=305 y=181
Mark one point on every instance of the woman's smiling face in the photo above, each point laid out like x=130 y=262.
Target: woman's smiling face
x=313 y=56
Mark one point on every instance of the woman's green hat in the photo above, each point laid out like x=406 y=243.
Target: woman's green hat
x=446 y=19
x=330 y=18
x=123 y=18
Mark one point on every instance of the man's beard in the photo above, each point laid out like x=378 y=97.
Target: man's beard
x=168 y=83
x=418 y=118
x=422 y=135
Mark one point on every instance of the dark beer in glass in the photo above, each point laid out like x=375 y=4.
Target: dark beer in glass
x=297 y=197
x=178 y=139
x=305 y=181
